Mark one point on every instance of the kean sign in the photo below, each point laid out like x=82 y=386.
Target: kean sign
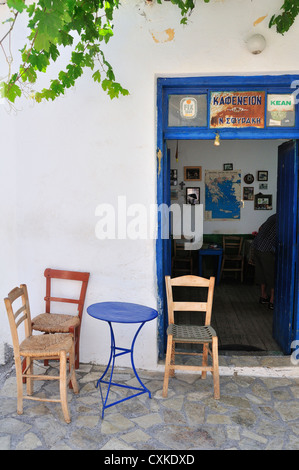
x=280 y=110
x=237 y=109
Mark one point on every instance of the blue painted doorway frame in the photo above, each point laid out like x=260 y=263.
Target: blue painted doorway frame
x=286 y=312
x=271 y=84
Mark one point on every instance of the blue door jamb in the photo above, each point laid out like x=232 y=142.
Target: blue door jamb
x=285 y=324
x=271 y=84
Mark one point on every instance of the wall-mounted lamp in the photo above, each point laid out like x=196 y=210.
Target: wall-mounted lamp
x=256 y=44
x=217 y=140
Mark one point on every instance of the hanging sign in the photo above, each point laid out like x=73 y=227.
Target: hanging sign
x=280 y=110
x=237 y=109
x=188 y=108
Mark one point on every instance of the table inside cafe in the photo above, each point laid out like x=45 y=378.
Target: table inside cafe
x=210 y=250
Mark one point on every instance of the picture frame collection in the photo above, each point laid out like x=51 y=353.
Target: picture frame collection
x=194 y=174
x=261 y=201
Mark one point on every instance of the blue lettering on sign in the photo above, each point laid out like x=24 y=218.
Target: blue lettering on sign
x=246 y=100
x=238 y=120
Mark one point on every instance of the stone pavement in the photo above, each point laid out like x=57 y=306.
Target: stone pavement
x=258 y=409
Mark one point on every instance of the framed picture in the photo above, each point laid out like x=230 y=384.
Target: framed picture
x=262 y=175
x=173 y=177
x=192 y=173
x=248 y=193
x=228 y=166
x=249 y=178
x=263 y=201
x=192 y=195
x=263 y=186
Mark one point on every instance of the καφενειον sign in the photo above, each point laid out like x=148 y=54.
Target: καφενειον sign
x=237 y=109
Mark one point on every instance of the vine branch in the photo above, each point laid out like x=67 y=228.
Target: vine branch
x=54 y=23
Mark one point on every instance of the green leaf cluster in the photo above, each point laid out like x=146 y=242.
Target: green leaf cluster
x=186 y=7
x=81 y=24
x=283 y=21
x=84 y=26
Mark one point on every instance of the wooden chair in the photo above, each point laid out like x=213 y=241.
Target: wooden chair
x=182 y=261
x=232 y=259
x=60 y=323
x=191 y=334
x=39 y=347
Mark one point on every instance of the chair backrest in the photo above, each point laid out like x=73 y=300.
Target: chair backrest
x=190 y=281
x=179 y=249
x=232 y=245
x=14 y=311
x=68 y=275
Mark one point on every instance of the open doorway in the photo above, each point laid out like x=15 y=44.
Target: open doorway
x=242 y=323
x=196 y=103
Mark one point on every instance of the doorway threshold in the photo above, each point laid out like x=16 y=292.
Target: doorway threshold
x=265 y=366
x=235 y=350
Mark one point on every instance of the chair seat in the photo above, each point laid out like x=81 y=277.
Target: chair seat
x=54 y=322
x=191 y=333
x=46 y=345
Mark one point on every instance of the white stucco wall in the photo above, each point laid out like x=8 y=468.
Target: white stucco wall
x=60 y=160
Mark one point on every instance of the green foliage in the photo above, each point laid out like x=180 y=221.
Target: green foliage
x=83 y=26
x=18 y=5
x=283 y=22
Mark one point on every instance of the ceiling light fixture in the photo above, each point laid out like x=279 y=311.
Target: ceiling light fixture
x=217 y=140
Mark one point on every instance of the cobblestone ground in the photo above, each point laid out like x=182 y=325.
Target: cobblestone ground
x=259 y=411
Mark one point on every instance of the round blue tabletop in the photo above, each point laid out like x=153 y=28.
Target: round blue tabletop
x=121 y=312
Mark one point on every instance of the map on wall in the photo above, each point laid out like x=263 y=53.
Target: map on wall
x=222 y=195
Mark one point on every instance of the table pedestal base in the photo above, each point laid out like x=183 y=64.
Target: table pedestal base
x=113 y=355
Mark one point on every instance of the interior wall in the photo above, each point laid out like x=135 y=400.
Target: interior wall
x=249 y=156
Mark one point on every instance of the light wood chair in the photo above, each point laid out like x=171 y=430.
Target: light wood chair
x=39 y=347
x=60 y=323
x=191 y=334
x=232 y=259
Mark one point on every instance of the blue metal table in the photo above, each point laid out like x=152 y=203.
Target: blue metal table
x=210 y=252
x=121 y=312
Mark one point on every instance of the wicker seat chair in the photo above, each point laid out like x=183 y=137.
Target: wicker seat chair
x=39 y=347
x=50 y=322
x=191 y=334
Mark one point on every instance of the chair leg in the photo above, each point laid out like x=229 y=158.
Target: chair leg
x=172 y=359
x=221 y=270
x=23 y=368
x=205 y=353
x=18 y=365
x=63 y=387
x=167 y=364
x=76 y=338
x=29 y=386
x=73 y=380
x=215 y=367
